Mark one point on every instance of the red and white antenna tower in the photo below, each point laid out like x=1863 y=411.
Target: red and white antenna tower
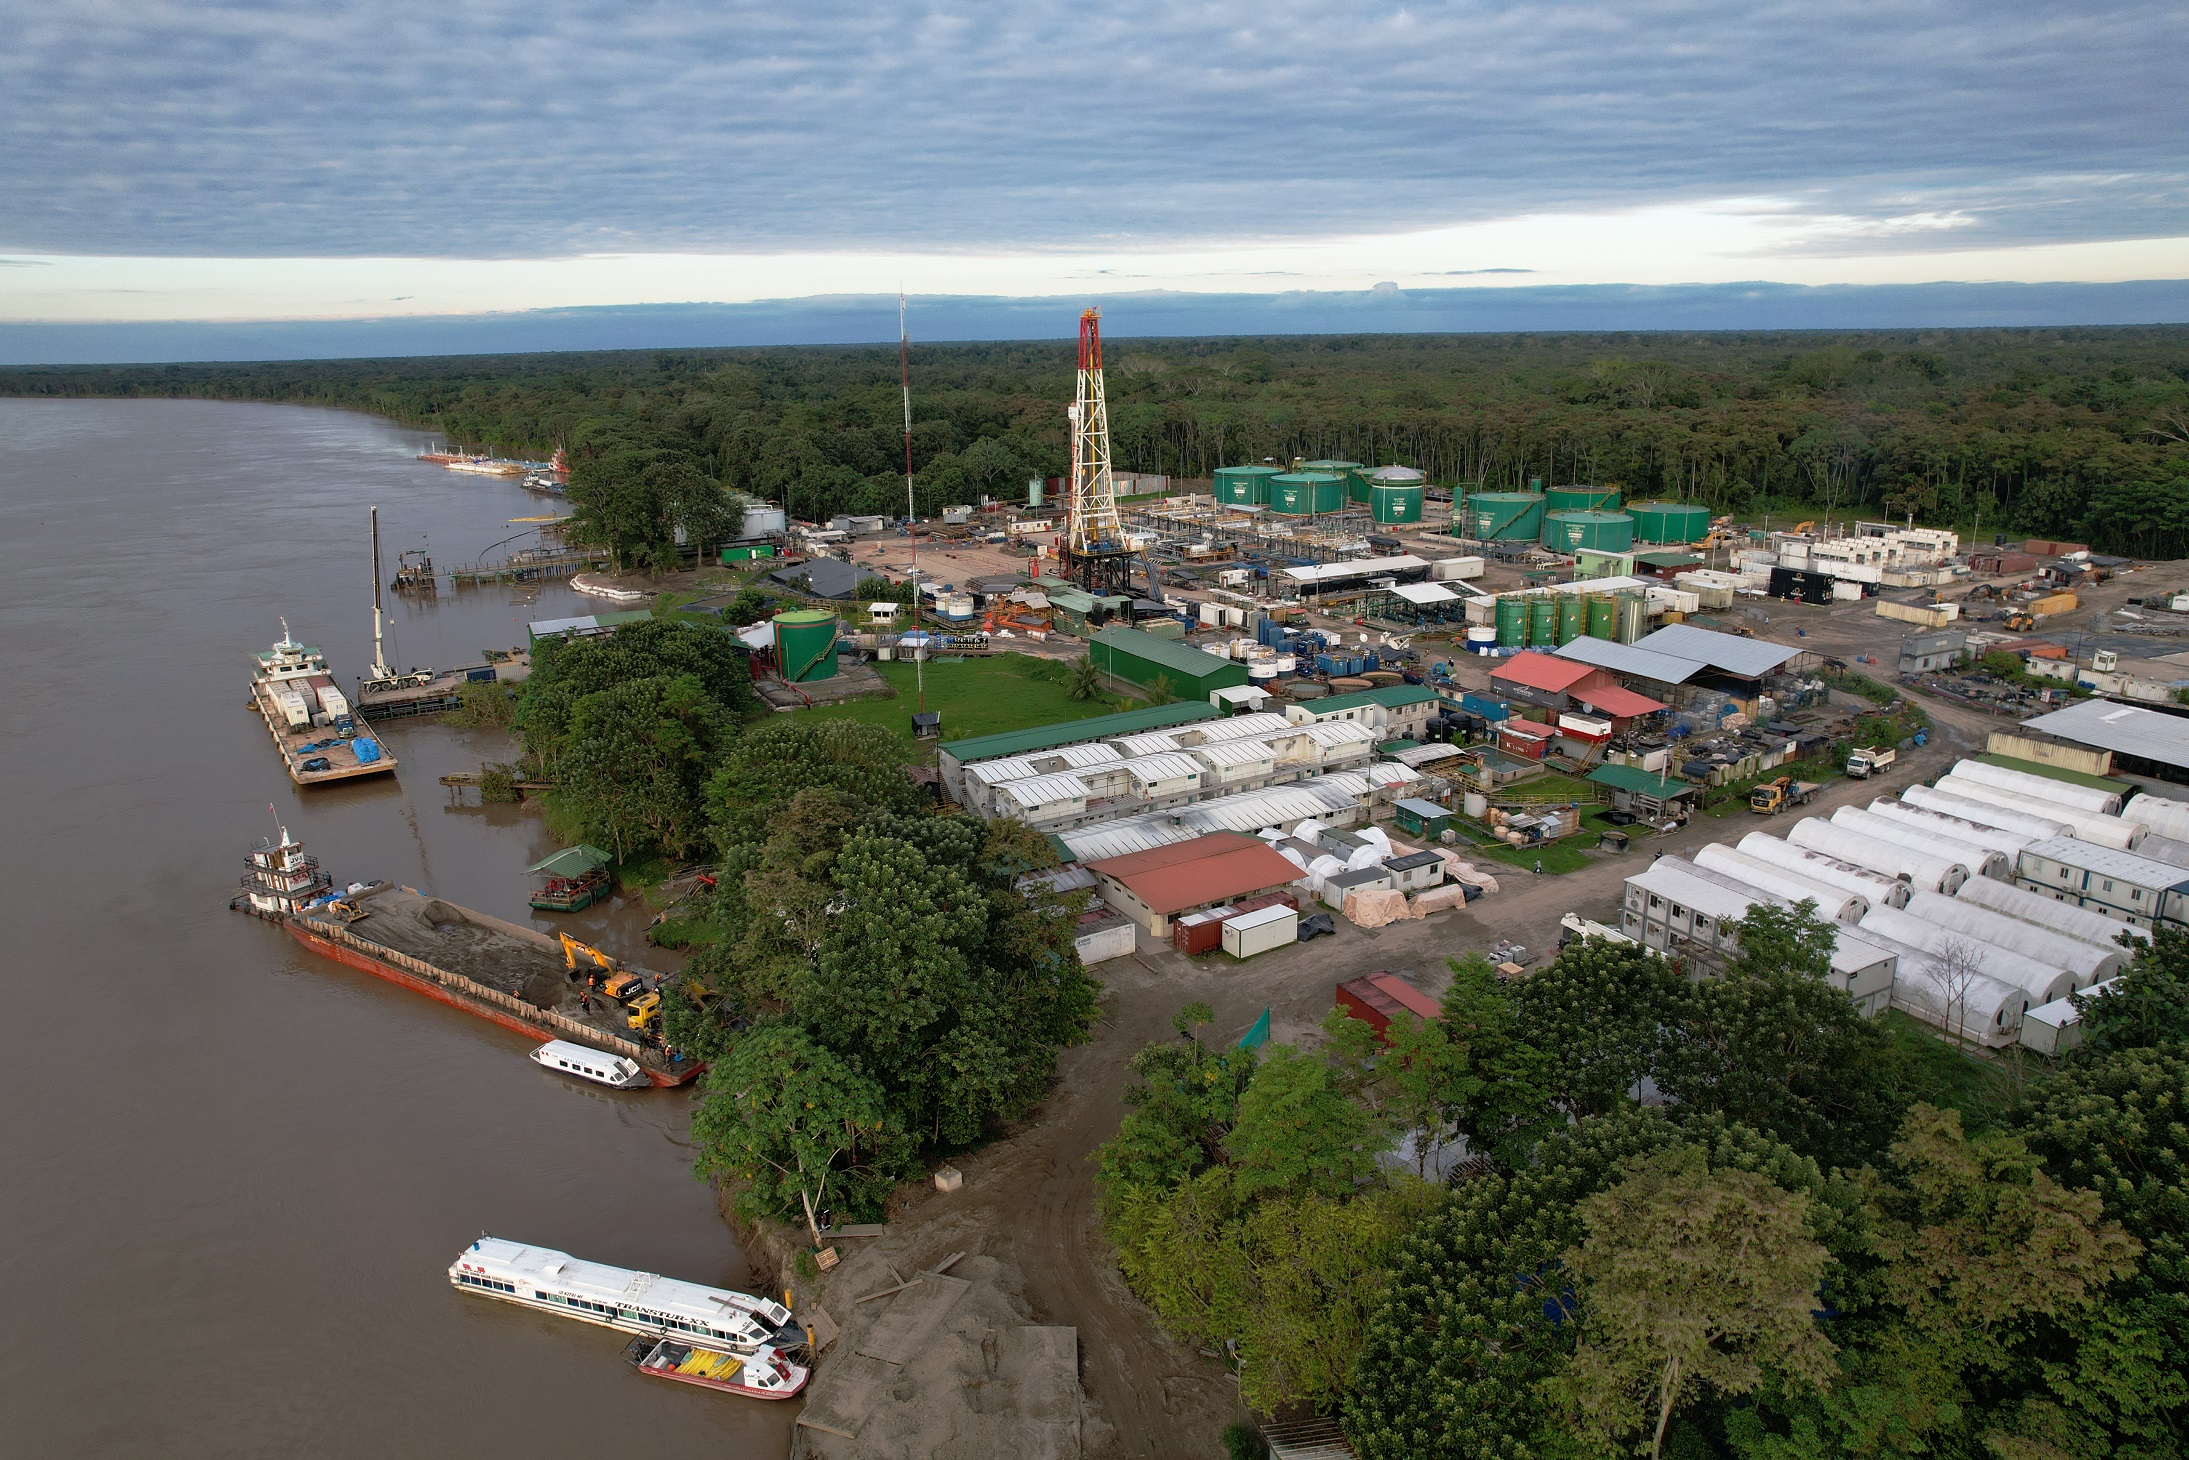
x=1094 y=537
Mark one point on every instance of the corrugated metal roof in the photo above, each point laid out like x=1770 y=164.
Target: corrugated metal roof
x=1232 y=752
x=1678 y=883
x=1542 y=671
x=1168 y=767
x=1729 y=652
x=1163 y=653
x=1617 y=701
x=1425 y=593
x=2125 y=729
x=1045 y=790
x=1358 y=568
x=1271 y=806
x=1421 y=755
x=1631 y=659
x=1116 y=838
x=1207 y=869
x=1391 y=773
x=1152 y=744
x=1333 y=733
x=1390 y=696
x=2110 y=862
x=996 y=772
x=1083 y=757
x=1072 y=732
x=1427 y=810
x=1640 y=782
x=1245 y=727
x=1353 y=783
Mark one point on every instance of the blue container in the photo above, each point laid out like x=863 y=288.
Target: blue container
x=484 y=674
x=1487 y=708
x=1371 y=660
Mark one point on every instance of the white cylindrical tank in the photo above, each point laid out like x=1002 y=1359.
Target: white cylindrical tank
x=2007 y=844
x=2095 y=827
x=2048 y=912
x=1983 y=813
x=1871 y=887
x=1923 y=872
x=2040 y=982
x=1973 y=1007
x=2164 y=817
x=2043 y=788
x=1833 y=904
x=1978 y=861
x=2086 y=961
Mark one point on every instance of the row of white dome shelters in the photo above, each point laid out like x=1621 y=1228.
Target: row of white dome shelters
x=2000 y=893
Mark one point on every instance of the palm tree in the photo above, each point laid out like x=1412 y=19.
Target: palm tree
x=1083 y=681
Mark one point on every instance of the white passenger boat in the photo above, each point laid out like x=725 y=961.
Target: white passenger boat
x=591 y=1064
x=617 y=1297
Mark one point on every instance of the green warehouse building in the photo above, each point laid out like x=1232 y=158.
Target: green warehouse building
x=1139 y=658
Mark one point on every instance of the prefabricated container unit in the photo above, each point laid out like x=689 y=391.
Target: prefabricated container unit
x=1923 y=872
x=1708 y=594
x=2007 y=844
x=1669 y=522
x=805 y=645
x=1873 y=887
x=1201 y=932
x=1970 y=1006
x=2165 y=818
x=2094 y=827
x=1976 y=861
x=1582 y=499
x=1506 y=516
x=1455 y=570
x=1306 y=494
x=2043 y=788
x=1572 y=531
x=1602 y=616
x=1543 y=622
x=2055 y=1028
x=2085 y=924
x=294 y=709
x=1512 y=622
x=1394 y=504
x=1983 y=813
x=2088 y=962
x=332 y=703
x=1244 y=486
x=1833 y=905
x=2038 y=982
x=1922 y=615
x=1260 y=931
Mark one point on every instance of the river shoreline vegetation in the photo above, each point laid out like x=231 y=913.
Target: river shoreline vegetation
x=1812 y=1241
x=2061 y=433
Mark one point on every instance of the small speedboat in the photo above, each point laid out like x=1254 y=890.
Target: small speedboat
x=762 y=1374
x=613 y=1070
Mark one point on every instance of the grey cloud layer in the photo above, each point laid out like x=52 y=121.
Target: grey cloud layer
x=524 y=129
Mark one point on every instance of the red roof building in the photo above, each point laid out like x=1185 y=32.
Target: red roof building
x=1545 y=679
x=1381 y=997
x=1621 y=705
x=1154 y=886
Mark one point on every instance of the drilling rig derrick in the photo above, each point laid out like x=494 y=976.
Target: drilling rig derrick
x=1097 y=554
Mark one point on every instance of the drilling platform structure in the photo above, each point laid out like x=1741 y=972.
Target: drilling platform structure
x=1097 y=554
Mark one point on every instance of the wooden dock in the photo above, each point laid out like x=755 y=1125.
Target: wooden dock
x=529 y=567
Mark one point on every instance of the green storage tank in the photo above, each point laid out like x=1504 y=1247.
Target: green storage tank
x=1505 y=516
x=1603 y=616
x=805 y=644
x=1603 y=532
x=1351 y=475
x=1543 y=622
x=1512 y=623
x=1581 y=499
x=1244 y=486
x=1306 y=493
x=1392 y=502
x=1669 y=522
x=1572 y=617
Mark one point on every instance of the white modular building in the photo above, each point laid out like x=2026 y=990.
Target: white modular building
x=2120 y=884
x=2040 y=983
x=2086 y=961
x=1919 y=869
x=1235 y=763
x=1873 y=887
x=1165 y=780
x=2046 y=911
x=2057 y=1027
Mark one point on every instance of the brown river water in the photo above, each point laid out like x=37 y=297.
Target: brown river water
x=233 y=1174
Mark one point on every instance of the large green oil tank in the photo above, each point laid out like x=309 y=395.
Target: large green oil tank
x=1351 y=474
x=1244 y=486
x=1572 y=617
x=1393 y=502
x=805 y=644
x=1543 y=622
x=1603 y=532
x=1306 y=493
x=1512 y=622
x=1505 y=516
x=1581 y=499
x=1603 y=616
x=1669 y=522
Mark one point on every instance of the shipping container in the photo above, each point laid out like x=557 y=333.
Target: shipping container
x=1260 y=931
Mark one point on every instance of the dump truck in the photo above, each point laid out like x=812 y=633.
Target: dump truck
x=1771 y=797
x=1867 y=761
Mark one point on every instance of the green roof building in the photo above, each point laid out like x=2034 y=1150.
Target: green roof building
x=1139 y=658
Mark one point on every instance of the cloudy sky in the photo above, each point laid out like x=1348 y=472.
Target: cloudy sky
x=284 y=161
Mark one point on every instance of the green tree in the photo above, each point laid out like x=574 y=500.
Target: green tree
x=796 y=1125
x=636 y=759
x=566 y=670
x=636 y=501
x=1083 y=681
x=1601 y=1010
x=1296 y=1131
x=1691 y=1280
x=2147 y=1007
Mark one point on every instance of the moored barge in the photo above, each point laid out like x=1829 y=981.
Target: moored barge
x=319 y=738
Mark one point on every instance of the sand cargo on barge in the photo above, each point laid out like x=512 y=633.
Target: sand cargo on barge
x=499 y=971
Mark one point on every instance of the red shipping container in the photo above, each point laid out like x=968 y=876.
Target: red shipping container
x=1201 y=932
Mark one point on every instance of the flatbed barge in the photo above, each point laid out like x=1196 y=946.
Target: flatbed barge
x=313 y=728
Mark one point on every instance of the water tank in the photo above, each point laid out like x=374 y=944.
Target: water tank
x=1573 y=616
x=1512 y=622
x=1543 y=622
x=1033 y=492
x=1602 y=532
x=1603 y=615
x=1393 y=503
x=1305 y=493
x=1505 y=516
x=1669 y=522
x=1581 y=499
x=805 y=644
x=1633 y=613
x=1481 y=639
x=1244 y=486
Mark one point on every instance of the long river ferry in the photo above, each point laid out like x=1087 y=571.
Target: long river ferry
x=644 y=1303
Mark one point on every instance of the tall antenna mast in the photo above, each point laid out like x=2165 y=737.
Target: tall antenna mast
x=911 y=509
x=380 y=668
x=1094 y=537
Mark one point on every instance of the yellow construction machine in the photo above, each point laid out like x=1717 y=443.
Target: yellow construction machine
x=618 y=981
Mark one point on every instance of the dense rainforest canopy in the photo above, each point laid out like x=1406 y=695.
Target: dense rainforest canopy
x=2049 y=432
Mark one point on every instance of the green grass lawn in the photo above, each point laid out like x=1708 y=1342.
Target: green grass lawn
x=1982 y=1090
x=976 y=697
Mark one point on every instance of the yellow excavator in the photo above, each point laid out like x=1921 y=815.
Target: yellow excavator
x=618 y=983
